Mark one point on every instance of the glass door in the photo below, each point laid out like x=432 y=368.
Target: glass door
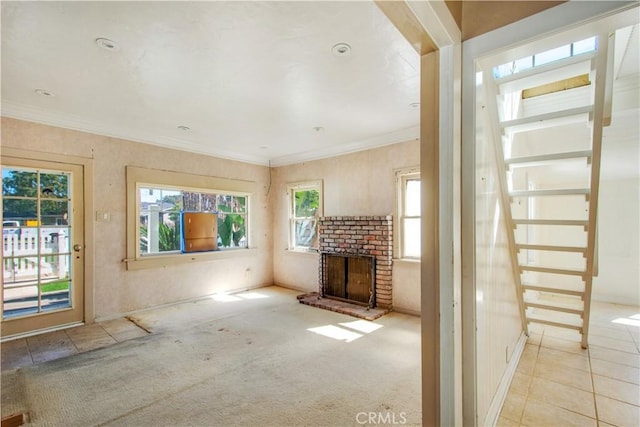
x=42 y=234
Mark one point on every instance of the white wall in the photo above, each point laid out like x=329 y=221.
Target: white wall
x=116 y=290
x=356 y=184
x=618 y=279
x=497 y=315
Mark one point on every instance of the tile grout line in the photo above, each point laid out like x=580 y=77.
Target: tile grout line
x=72 y=341
x=593 y=388
x=26 y=342
x=535 y=363
x=108 y=333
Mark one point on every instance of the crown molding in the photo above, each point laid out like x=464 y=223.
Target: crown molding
x=70 y=121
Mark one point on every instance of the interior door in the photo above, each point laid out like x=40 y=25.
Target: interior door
x=43 y=245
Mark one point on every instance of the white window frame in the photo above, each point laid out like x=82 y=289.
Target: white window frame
x=137 y=178
x=402 y=176
x=291 y=190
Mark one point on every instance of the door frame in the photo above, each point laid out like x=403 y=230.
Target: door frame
x=88 y=224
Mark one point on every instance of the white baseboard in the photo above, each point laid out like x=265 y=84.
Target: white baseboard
x=503 y=388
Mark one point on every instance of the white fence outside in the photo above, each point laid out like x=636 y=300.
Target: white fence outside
x=25 y=254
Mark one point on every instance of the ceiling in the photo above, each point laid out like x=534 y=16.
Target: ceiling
x=253 y=81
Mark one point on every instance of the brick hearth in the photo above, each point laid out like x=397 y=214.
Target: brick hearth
x=364 y=236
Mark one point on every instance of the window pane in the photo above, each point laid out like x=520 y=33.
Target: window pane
x=553 y=55
x=305 y=233
x=19 y=183
x=412 y=198
x=19 y=213
x=54 y=212
x=583 y=46
x=54 y=185
x=411 y=237
x=159 y=220
x=232 y=231
x=306 y=203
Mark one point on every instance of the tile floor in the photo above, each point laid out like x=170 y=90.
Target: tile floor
x=54 y=345
x=557 y=383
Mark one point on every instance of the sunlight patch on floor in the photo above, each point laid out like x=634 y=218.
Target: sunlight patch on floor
x=362 y=326
x=631 y=320
x=252 y=295
x=342 y=334
x=336 y=333
x=224 y=297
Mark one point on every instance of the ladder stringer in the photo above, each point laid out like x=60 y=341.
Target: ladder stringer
x=496 y=134
x=599 y=68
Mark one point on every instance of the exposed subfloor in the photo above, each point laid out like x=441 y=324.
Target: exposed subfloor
x=256 y=358
x=557 y=383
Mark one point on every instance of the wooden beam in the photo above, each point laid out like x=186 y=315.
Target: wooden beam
x=405 y=20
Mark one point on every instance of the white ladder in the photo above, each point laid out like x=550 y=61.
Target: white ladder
x=548 y=153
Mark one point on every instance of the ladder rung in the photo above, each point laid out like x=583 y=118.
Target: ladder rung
x=554 y=308
x=552 y=270
x=582 y=223
x=563 y=192
x=552 y=290
x=552 y=248
x=549 y=157
x=547 y=116
x=531 y=319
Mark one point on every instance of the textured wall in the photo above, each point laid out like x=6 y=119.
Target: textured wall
x=117 y=290
x=357 y=184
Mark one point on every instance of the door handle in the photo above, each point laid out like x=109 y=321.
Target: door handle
x=77 y=247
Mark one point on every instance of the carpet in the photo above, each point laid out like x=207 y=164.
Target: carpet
x=261 y=359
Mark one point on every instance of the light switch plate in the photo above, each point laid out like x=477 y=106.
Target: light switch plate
x=103 y=216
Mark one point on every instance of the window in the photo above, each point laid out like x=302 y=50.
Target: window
x=408 y=231
x=159 y=210
x=155 y=201
x=556 y=54
x=305 y=207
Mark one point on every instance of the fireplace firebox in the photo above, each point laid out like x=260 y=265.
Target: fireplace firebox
x=349 y=278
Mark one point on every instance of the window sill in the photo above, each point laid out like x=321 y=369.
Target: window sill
x=302 y=251
x=161 y=261
x=407 y=260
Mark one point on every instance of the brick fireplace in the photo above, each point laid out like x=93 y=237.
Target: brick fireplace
x=369 y=237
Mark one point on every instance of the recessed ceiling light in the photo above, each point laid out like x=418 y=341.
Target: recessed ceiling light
x=44 y=92
x=107 y=44
x=184 y=128
x=414 y=105
x=341 y=49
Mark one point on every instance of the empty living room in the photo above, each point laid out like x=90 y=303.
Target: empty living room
x=346 y=213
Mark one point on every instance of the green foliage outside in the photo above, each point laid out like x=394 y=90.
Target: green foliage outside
x=231 y=227
x=168 y=238
x=306 y=203
x=19 y=183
